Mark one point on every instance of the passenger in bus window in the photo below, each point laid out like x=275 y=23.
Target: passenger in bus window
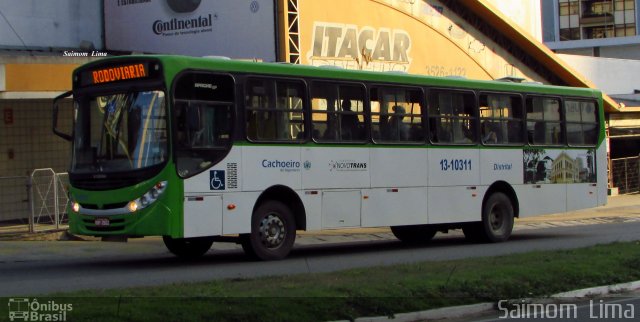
x=539 y=136
x=399 y=129
x=467 y=134
x=489 y=136
x=349 y=122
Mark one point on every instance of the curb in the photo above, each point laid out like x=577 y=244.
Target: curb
x=455 y=312
x=600 y=290
x=434 y=314
x=55 y=234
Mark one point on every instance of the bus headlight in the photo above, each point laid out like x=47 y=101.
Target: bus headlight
x=148 y=198
x=75 y=206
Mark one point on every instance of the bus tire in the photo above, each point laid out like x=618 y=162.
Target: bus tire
x=188 y=247
x=273 y=232
x=414 y=234
x=497 y=221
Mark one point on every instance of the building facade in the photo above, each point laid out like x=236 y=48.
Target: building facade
x=600 y=28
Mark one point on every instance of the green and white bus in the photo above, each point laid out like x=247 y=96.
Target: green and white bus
x=198 y=150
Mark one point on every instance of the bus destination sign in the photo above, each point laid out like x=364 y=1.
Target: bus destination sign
x=114 y=73
x=118 y=73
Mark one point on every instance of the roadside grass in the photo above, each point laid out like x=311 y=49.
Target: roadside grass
x=362 y=292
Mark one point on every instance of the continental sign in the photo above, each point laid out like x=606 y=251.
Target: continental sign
x=366 y=48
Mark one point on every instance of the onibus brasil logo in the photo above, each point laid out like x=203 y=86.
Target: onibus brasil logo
x=24 y=309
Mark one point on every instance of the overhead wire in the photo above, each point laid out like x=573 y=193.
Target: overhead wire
x=13 y=29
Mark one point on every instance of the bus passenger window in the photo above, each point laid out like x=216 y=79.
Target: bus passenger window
x=582 y=122
x=543 y=121
x=501 y=119
x=396 y=115
x=337 y=112
x=274 y=110
x=452 y=117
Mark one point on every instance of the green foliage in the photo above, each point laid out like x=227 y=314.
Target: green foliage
x=378 y=291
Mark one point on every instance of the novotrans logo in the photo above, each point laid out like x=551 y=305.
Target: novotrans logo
x=217 y=180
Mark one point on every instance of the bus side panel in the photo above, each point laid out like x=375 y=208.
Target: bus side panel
x=501 y=165
x=237 y=220
x=335 y=168
x=540 y=199
x=220 y=178
x=543 y=191
x=398 y=196
x=601 y=165
x=582 y=190
x=394 y=207
x=454 y=191
x=341 y=208
x=312 y=203
x=265 y=166
x=204 y=196
x=390 y=167
x=202 y=215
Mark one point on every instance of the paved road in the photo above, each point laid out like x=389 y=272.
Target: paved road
x=31 y=268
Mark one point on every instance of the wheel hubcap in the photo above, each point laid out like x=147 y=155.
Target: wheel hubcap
x=272 y=231
x=496 y=219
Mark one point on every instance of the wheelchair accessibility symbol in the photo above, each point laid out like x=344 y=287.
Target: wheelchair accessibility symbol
x=216 y=180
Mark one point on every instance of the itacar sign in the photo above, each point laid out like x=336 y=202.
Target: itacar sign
x=365 y=46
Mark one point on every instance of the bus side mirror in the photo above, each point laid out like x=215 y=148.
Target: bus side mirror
x=56 y=103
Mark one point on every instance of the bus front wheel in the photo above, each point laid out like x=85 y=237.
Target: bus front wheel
x=413 y=234
x=273 y=232
x=188 y=247
x=497 y=220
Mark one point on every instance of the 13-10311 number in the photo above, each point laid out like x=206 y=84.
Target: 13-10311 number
x=455 y=165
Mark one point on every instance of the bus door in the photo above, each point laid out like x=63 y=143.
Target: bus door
x=203 y=114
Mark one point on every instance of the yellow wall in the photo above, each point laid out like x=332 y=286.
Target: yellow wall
x=399 y=35
x=38 y=77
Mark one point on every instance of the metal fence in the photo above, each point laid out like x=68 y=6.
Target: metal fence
x=14 y=202
x=625 y=174
x=33 y=203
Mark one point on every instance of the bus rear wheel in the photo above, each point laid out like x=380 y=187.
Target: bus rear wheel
x=273 y=232
x=188 y=247
x=497 y=221
x=414 y=234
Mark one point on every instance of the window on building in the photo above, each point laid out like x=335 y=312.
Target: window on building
x=569 y=34
x=275 y=110
x=452 y=117
x=625 y=30
x=337 y=112
x=598 y=32
x=621 y=5
x=567 y=8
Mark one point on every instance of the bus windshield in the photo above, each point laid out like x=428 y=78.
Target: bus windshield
x=120 y=132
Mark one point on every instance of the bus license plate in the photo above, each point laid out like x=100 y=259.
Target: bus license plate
x=101 y=222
